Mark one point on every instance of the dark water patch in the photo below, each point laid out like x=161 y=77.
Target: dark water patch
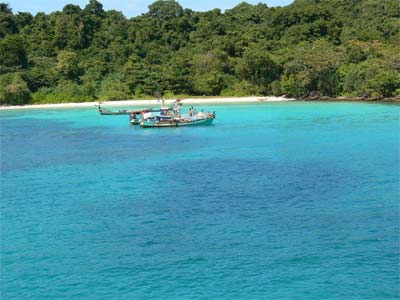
x=35 y=143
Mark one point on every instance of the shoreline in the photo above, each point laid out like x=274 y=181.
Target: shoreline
x=205 y=100
x=349 y=99
x=122 y=103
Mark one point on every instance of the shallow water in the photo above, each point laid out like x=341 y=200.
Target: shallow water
x=274 y=201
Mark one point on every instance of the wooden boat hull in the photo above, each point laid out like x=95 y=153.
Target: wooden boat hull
x=176 y=123
x=106 y=112
x=112 y=113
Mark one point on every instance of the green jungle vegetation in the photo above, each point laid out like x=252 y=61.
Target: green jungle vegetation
x=311 y=48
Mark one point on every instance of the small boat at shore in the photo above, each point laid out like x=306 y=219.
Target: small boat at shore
x=107 y=112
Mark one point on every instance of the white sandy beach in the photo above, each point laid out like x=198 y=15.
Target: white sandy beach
x=124 y=103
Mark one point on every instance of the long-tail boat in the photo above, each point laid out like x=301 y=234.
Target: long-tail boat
x=171 y=121
x=108 y=112
x=148 y=120
x=136 y=116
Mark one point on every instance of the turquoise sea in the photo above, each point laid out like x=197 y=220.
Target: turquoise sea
x=285 y=200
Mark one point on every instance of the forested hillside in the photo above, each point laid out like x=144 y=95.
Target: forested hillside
x=309 y=48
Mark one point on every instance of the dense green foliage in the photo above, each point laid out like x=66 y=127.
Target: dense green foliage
x=309 y=48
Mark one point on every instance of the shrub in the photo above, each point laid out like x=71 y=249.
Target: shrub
x=13 y=89
x=64 y=92
x=114 y=88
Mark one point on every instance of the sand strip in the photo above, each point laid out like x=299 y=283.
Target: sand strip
x=123 y=103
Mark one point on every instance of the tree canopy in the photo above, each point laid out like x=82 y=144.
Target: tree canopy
x=311 y=47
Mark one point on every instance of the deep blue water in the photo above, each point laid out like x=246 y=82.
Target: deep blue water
x=275 y=201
